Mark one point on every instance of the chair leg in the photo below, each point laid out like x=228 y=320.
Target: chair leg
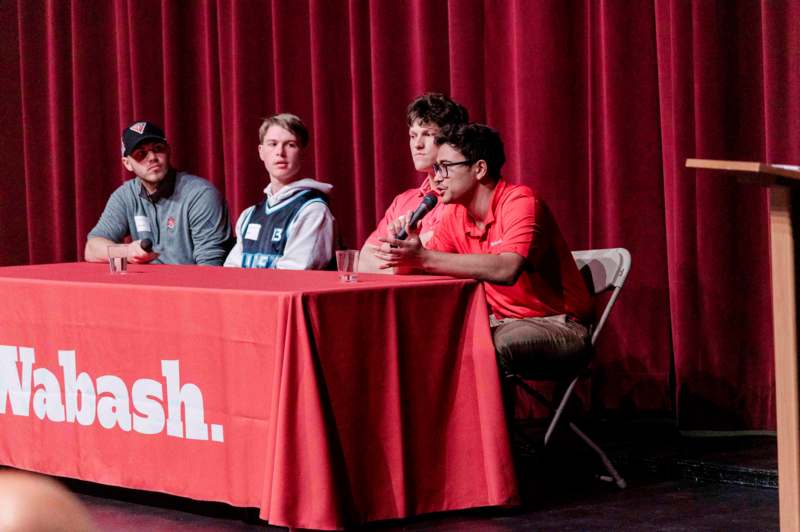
x=618 y=480
x=557 y=410
x=612 y=471
x=557 y=415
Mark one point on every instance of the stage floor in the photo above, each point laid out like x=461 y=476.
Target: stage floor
x=666 y=505
x=675 y=482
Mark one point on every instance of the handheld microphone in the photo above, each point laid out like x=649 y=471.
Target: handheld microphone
x=427 y=204
x=146 y=244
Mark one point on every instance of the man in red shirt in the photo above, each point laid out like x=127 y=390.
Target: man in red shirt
x=426 y=116
x=506 y=236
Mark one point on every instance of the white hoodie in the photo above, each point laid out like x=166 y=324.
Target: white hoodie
x=311 y=235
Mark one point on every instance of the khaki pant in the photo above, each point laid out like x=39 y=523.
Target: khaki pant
x=550 y=347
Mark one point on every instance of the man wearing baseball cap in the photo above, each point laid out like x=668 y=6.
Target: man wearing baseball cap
x=182 y=215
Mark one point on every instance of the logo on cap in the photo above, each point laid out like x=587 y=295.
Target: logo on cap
x=138 y=127
x=139 y=132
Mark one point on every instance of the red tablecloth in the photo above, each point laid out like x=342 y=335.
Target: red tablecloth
x=322 y=403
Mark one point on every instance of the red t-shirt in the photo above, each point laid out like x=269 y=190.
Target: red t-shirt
x=519 y=222
x=404 y=203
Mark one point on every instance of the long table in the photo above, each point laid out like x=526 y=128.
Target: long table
x=324 y=404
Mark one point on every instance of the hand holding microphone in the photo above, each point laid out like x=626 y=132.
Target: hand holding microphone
x=405 y=256
x=426 y=205
x=141 y=251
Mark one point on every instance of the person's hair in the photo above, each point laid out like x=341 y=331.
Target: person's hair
x=436 y=108
x=287 y=121
x=476 y=142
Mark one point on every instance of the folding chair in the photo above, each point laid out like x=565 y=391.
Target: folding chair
x=603 y=270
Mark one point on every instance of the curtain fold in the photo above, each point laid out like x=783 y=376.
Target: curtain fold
x=599 y=104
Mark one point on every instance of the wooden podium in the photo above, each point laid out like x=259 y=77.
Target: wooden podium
x=779 y=179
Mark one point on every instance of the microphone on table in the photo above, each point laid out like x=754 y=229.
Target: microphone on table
x=427 y=204
x=146 y=244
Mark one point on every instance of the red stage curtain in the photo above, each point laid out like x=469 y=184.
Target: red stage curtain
x=599 y=104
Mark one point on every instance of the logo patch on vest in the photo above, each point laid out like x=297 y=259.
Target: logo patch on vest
x=171 y=223
x=277 y=234
x=253 y=230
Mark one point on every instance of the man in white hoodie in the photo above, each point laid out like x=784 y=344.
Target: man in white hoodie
x=292 y=228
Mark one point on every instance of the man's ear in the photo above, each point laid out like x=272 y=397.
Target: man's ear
x=481 y=169
x=127 y=164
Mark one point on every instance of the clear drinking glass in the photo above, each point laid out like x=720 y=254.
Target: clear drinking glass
x=347 y=264
x=118 y=258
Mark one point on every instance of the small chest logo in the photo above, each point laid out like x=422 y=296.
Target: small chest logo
x=171 y=223
x=277 y=234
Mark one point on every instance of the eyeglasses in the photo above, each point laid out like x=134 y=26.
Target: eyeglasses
x=139 y=154
x=440 y=169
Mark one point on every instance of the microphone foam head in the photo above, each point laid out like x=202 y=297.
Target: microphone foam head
x=430 y=200
x=146 y=244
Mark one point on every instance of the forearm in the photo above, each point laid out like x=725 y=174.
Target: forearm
x=310 y=245
x=211 y=243
x=368 y=262
x=210 y=254
x=501 y=269
x=313 y=256
x=96 y=249
x=234 y=258
x=111 y=228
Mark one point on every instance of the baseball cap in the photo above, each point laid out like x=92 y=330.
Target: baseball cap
x=138 y=132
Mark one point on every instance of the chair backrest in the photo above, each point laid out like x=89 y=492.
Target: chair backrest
x=603 y=270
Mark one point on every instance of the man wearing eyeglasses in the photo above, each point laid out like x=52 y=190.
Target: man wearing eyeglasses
x=504 y=235
x=182 y=215
x=426 y=116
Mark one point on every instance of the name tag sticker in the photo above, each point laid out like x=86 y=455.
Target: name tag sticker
x=252 y=231
x=142 y=224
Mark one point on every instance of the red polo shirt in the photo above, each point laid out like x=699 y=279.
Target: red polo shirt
x=519 y=222
x=404 y=203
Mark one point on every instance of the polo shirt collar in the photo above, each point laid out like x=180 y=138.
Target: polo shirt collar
x=425 y=187
x=472 y=228
x=164 y=189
